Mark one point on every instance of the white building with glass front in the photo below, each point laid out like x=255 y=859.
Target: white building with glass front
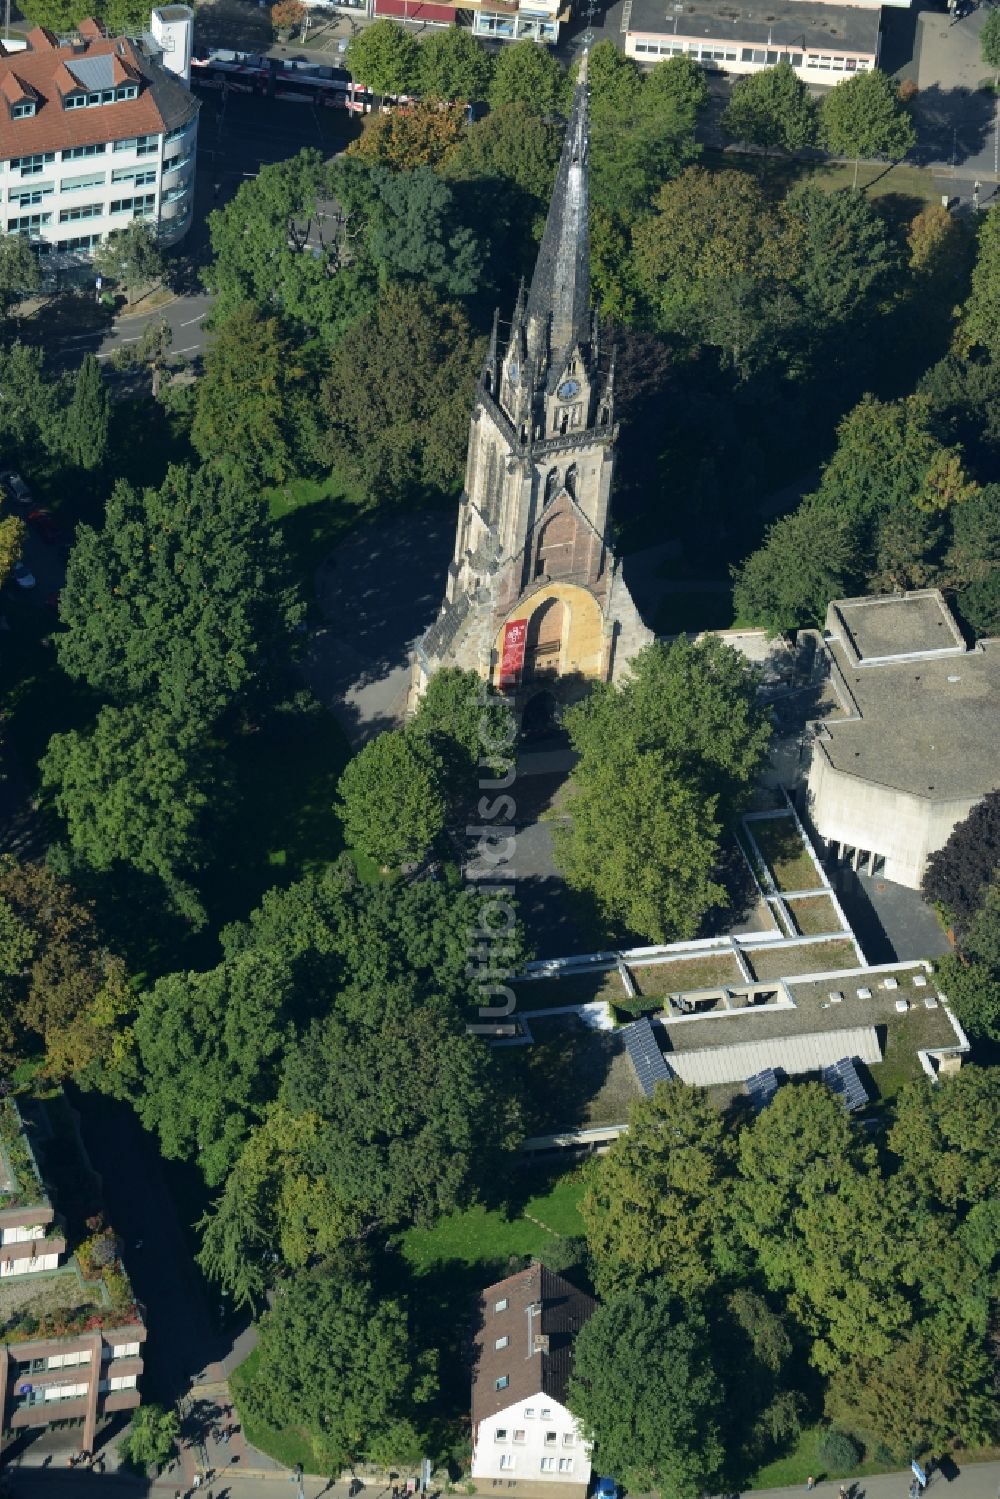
x=96 y=131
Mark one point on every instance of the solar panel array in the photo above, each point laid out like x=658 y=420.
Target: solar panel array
x=647 y=1058
x=762 y=1087
x=842 y=1078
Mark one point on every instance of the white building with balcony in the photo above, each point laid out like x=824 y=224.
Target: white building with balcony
x=95 y=131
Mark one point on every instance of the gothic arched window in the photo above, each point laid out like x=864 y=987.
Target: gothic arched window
x=551 y=484
x=569 y=482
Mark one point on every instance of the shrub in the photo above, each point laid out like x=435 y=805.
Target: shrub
x=839 y=1450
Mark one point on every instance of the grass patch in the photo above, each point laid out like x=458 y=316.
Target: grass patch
x=811 y=957
x=575 y=989
x=814 y=915
x=286 y=1444
x=656 y=980
x=483 y=1236
x=786 y=855
x=693 y=610
x=796 y=1466
x=877 y=180
x=314 y=516
x=902 y=1037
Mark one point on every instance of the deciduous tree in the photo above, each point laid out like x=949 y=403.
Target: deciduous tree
x=989 y=42
x=808 y=558
x=181 y=597
x=413 y=233
x=151 y=1437
x=131 y=257
x=957 y=873
x=19 y=272
x=528 y=74
x=980 y=325
x=424 y=136
x=771 y=108
x=864 y=116
x=392 y=803
x=453 y=66
x=847 y=262
x=385 y=58
x=470 y=730
x=87 y=418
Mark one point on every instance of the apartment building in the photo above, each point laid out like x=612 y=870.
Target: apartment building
x=96 y=131
x=71 y=1332
x=523 y=1433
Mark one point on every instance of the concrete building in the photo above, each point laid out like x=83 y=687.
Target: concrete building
x=70 y=1342
x=500 y=20
x=522 y=1432
x=911 y=742
x=823 y=43
x=535 y=601
x=96 y=131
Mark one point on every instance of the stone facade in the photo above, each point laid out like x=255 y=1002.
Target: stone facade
x=532 y=542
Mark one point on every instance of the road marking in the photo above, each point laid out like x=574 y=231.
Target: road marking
x=192 y=320
x=189 y=350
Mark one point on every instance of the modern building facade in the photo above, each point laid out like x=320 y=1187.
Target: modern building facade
x=500 y=20
x=535 y=601
x=522 y=1431
x=70 y=1343
x=911 y=743
x=823 y=43
x=96 y=131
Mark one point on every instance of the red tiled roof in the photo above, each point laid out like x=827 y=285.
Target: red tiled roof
x=90 y=28
x=46 y=71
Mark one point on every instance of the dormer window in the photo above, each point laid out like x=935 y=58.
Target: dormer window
x=21 y=110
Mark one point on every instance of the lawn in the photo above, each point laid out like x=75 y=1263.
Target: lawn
x=656 y=980
x=481 y=1236
x=781 y=845
x=796 y=1466
x=286 y=1444
x=314 y=516
x=902 y=181
x=574 y=989
x=811 y=957
x=814 y=915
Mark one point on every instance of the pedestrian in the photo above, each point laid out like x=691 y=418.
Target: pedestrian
x=810 y=1484
x=843 y=1491
x=197 y=1481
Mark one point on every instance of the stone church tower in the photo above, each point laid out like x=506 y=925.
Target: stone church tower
x=535 y=599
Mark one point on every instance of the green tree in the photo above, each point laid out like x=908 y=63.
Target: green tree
x=391 y=802
x=385 y=58
x=151 y=1437
x=396 y=435
x=848 y=262
x=131 y=257
x=453 y=65
x=808 y=558
x=980 y=325
x=13 y=534
x=771 y=108
x=426 y=135
x=470 y=730
x=128 y=17
x=646 y=1392
x=412 y=233
x=971 y=980
x=989 y=42
x=643 y=843
x=208 y=1049
x=329 y=1360
x=134 y=790
x=958 y=873
x=653 y=1204
x=19 y=272
x=87 y=418
x=944 y=1137
x=865 y=117
x=182 y=597
x=249 y=397
x=32 y=407
x=530 y=75
x=932 y=1390
x=972 y=561
x=511 y=145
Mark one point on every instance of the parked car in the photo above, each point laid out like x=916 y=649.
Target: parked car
x=16 y=487
x=607 y=1488
x=43 y=521
x=22 y=577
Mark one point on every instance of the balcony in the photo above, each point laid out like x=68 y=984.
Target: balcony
x=177 y=162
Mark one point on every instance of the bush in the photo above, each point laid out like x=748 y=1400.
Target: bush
x=839 y=1450
x=563 y=1254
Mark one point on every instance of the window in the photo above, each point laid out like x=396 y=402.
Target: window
x=506 y=1460
x=21 y=110
x=28 y=166
x=87 y=179
x=565 y=1465
x=125 y=1350
x=529 y=1412
x=65 y=1391
x=28 y=221
x=74 y=101
x=176 y=134
x=69 y=1360
x=75 y=152
x=548 y=1465
x=503 y=1382
x=519 y=1434
x=501 y=1342
x=500 y=1435
x=25 y=196
x=122 y=1382
x=81 y=211
x=500 y=1306
x=80 y=242
x=546 y=1413
x=142 y=145
x=141 y=176
x=551 y=1438
x=569 y=1440
x=135 y=206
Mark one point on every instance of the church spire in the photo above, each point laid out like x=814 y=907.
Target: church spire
x=559 y=299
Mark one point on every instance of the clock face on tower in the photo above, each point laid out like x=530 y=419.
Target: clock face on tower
x=568 y=389
x=515 y=369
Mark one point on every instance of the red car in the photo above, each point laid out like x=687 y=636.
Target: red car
x=44 y=523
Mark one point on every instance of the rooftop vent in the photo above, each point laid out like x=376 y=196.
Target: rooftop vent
x=540 y=1343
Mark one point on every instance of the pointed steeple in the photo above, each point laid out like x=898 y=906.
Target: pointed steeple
x=559 y=299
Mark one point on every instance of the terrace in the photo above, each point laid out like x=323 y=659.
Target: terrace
x=52 y=1303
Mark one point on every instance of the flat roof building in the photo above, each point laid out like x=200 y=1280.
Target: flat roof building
x=823 y=43
x=911 y=743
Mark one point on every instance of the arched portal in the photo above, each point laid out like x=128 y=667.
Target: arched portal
x=540 y=718
x=543 y=645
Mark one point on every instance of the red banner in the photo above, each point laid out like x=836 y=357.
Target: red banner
x=512 y=658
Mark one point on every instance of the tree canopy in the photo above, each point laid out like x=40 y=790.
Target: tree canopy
x=385 y=58
x=391 y=800
x=958 y=872
x=863 y=116
x=771 y=108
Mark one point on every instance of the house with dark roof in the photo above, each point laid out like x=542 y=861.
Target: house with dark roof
x=97 y=130
x=523 y=1434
